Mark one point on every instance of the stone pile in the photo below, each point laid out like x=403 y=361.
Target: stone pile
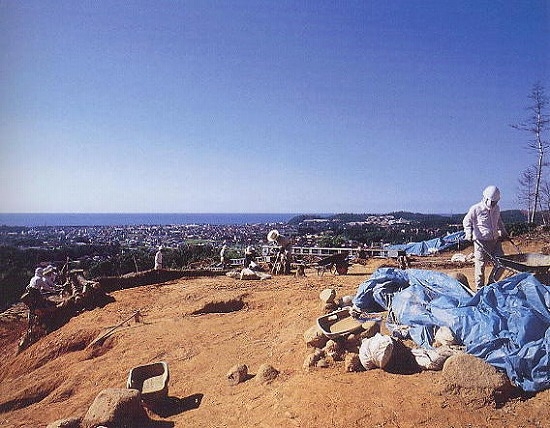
x=325 y=352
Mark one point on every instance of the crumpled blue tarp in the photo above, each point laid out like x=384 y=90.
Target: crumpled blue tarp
x=424 y=248
x=506 y=323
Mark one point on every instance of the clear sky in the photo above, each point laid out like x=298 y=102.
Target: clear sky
x=266 y=106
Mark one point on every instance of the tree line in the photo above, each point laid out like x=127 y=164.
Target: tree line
x=17 y=265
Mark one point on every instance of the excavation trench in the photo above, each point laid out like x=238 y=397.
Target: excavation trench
x=221 y=307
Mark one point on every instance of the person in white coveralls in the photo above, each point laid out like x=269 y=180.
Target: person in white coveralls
x=37 y=280
x=483 y=225
x=158 y=258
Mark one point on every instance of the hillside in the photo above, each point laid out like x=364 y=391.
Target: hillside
x=202 y=327
x=433 y=220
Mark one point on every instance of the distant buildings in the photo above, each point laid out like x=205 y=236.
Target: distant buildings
x=307 y=233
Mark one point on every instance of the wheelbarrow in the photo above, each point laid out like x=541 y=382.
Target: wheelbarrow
x=536 y=263
x=336 y=263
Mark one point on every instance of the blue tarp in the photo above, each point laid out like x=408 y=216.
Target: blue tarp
x=506 y=323
x=425 y=248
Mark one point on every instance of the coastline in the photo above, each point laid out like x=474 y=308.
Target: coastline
x=132 y=219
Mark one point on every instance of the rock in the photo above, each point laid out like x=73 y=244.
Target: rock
x=329 y=307
x=327 y=295
x=323 y=363
x=73 y=422
x=266 y=373
x=352 y=363
x=345 y=301
x=233 y=274
x=370 y=328
x=352 y=343
x=247 y=273
x=312 y=359
x=314 y=337
x=237 y=374
x=116 y=407
x=475 y=381
x=333 y=350
x=458 y=258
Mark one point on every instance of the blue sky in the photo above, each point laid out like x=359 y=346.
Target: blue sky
x=266 y=106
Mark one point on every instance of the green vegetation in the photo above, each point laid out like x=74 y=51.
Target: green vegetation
x=17 y=265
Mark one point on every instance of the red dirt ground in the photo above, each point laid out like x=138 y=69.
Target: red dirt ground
x=262 y=322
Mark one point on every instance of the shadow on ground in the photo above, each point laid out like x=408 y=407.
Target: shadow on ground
x=173 y=405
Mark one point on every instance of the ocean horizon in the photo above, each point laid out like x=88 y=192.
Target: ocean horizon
x=134 y=219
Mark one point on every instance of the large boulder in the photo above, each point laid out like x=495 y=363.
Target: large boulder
x=475 y=381
x=73 y=422
x=116 y=407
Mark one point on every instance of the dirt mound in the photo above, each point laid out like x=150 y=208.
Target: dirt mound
x=204 y=326
x=138 y=279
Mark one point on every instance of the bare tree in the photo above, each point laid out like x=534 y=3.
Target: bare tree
x=536 y=124
x=526 y=190
x=545 y=201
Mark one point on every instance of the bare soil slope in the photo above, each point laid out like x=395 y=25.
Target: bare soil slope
x=202 y=327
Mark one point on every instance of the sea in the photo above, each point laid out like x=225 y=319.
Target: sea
x=129 y=219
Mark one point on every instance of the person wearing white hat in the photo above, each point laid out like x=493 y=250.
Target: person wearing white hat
x=37 y=280
x=49 y=286
x=285 y=247
x=223 y=259
x=39 y=294
x=484 y=226
x=158 y=258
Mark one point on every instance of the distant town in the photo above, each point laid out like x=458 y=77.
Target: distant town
x=305 y=232
x=343 y=230
x=116 y=250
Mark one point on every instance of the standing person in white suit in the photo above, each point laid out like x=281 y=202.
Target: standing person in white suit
x=483 y=225
x=284 y=245
x=158 y=258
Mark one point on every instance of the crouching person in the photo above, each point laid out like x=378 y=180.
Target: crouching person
x=41 y=309
x=45 y=299
x=51 y=290
x=35 y=296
